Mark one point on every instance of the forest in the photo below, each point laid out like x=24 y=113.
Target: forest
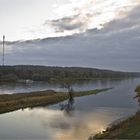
x=47 y=73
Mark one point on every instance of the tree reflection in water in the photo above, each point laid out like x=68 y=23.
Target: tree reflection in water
x=68 y=107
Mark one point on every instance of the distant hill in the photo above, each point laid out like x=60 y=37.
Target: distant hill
x=46 y=73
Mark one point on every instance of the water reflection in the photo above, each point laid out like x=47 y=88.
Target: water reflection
x=77 y=120
x=77 y=85
x=68 y=106
x=76 y=127
x=55 y=124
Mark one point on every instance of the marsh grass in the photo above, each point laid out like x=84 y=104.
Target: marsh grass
x=24 y=100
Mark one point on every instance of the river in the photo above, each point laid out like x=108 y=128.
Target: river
x=89 y=115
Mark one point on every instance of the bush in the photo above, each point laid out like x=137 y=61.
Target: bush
x=137 y=89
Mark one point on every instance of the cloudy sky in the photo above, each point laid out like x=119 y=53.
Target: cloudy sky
x=91 y=33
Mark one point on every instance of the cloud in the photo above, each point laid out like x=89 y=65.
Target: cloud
x=67 y=23
x=78 y=17
x=116 y=46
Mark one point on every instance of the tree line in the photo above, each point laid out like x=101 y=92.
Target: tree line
x=46 y=73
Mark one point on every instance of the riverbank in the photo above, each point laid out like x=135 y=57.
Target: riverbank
x=14 y=102
x=127 y=129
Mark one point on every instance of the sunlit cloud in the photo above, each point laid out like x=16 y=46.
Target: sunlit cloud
x=79 y=16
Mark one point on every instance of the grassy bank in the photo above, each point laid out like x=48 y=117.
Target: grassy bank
x=23 y=100
x=127 y=129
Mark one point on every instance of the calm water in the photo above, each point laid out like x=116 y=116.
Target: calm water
x=90 y=114
x=37 y=86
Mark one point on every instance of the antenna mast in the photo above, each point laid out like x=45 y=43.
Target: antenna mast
x=3 y=49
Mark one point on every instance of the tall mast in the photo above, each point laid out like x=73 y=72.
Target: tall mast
x=3 y=49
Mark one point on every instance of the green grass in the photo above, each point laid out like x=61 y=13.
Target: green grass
x=90 y=92
x=24 y=100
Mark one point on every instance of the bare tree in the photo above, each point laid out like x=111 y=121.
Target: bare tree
x=69 y=106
